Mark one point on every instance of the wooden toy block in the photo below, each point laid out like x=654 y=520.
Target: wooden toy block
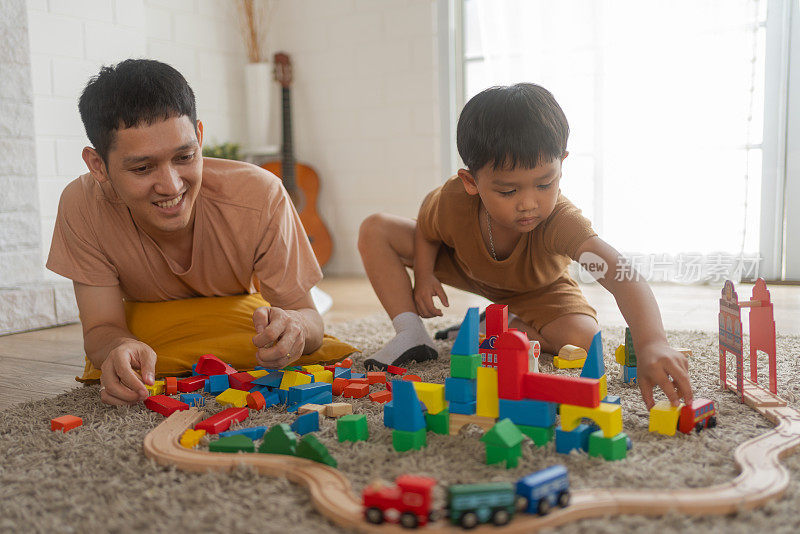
x=311 y=448
x=308 y=422
x=610 y=448
x=321 y=398
x=294 y=378
x=540 y=436
x=232 y=444
x=190 y=438
x=352 y=428
x=512 y=349
x=305 y=392
x=342 y=372
x=574 y=440
x=528 y=412
x=431 y=395
x=279 y=440
x=467 y=340
x=216 y=384
x=629 y=375
x=258 y=373
x=607 y=416
x=404 y=440
x=503 y=444
x=438 y=423
x=595 y=366
x=208 y=364
x=323 y=376
x=306 y=408
x=612 y=399
x=464 y=365
x=380 y=396
x=255 y=400
x=347 y=362
x=619 y=354
x=486 y=392
x=270 y=380
x=338 y=385
x=463 y=408
x=376 y=377
x=355 y=380
x=571 y=352
x=192 y=383
x=412 y=378
x=630 y=353
x=242 y=381
x=496 y=319
x=460 y=389
x=65 y=423
x=171 y=385
x=192 y=399
x=221 y=421
x=458 y=421
x=664 y=418
x=567 y=364
x=406 y=407
x=338 y=409
x=271 y=398
x=253 y=432
x=388 y=414
x=314 y=368
x=393 y=369
x=356 y=391
x=233 y=397
x=164 y=405
x=156 y=389
x=603 y=387
x=561 y=389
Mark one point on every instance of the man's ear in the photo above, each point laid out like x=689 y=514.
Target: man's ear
x=469 y=181
x=199 y=133
x=95 y=163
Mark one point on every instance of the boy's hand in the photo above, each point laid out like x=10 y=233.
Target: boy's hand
x=120 y=384
x=280 y=336
x=425 y=288
x=661 y=365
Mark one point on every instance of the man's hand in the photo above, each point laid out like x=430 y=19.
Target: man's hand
x=280 y=336
x=659 y=364
x=120 y=383
x=425 y=288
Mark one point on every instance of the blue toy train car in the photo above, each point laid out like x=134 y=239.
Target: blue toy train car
x=538 y=492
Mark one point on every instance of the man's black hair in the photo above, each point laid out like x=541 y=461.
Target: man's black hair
x=512 y=126
x=130 y=93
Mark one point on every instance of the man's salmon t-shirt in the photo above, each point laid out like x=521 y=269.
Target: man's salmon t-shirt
x=245 y=225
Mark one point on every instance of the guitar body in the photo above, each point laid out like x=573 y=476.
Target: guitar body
x=304 y=197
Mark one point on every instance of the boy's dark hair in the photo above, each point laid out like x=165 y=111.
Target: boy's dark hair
x=130 y=93
x=510 y=126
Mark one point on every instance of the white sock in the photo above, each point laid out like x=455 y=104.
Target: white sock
x=412 y=342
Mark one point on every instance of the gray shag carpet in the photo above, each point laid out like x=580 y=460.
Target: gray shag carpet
x=96 y=478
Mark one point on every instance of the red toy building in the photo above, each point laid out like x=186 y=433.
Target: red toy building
x=496 y=324
x=512 y=348
x=407 y=503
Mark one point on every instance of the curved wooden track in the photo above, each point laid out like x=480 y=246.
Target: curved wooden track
x=762 y=478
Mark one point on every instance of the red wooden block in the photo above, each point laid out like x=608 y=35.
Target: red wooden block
x=330 y=368
x=356 y=391
x=389 y=385
x=255 y=400
x=339 y=384
x=347 y=362
x=65 y=423
x=193 y=383
x=380 y=396
x=241 y=381
x=164 y=405
x=221 y=421
x=376 y=377
x=561 y=389
x=171 y=385
x=364 y=380
x=208 y=364
x=412 y=378
x=393 y=369
x=512 y=349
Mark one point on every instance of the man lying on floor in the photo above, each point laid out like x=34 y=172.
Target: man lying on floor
x=167 y=250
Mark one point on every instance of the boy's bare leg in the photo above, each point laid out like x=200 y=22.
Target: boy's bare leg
x=386 y=244
x=571 y=329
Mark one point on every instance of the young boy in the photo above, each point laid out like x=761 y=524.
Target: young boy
x=502 y=229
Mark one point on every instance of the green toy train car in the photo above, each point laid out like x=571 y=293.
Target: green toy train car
x=471 y=504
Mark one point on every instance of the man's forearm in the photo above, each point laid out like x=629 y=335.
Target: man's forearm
x=101 y=339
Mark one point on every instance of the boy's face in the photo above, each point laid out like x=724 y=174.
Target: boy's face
x=517 y=200
x=156 y=170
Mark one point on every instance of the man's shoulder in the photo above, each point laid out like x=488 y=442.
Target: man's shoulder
x=239 y=184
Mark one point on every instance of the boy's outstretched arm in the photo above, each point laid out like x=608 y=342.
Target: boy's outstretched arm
x=657 y=362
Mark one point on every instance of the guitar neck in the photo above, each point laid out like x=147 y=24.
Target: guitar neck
x=287 y=150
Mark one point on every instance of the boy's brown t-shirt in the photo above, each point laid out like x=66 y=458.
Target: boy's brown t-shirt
x=450 y=215
x=245 y=225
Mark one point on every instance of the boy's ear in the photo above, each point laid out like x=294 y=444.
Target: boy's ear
x=95 y=164
x=469 y=181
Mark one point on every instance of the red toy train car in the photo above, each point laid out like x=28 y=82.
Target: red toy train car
x=407 y=503
x=701 y=413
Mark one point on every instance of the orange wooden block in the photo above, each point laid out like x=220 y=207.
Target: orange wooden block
x=347 y=362
x=65 y=423
x=380 y=396
x=376 y=377
x=356 y=391
x=255 y=400
x=364 y=380
x=338 y=385
x=412 y=378
x=171 y=385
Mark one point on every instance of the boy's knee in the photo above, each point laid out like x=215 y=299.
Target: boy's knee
x=576 y=329
x=370 y=231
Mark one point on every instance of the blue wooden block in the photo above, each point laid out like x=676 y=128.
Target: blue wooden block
x=466 y=343
x=629 y=374
x=308 y=422
x=342 y=372
x=408 y=414
x=357 y=375
x=273 y=379
x=261 y=389
x=254 y=432
x=528 y=412
x=217 y=384
x=306 y=391
x=594 y=366
x=578 y=439
x=465 y=408
x=460 y=389
x=324 y=397
x=612 y=399
x=193 y=399
x=194 y=370
x=271 y=398
x=283 y=395
x=388 y=411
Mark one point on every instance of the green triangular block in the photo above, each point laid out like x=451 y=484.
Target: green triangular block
x=311 y=448
x=279 y=440
x=235 y=443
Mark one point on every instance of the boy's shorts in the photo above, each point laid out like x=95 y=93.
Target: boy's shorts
x=536 y=307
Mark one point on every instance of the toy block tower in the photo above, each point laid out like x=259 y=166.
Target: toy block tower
x=626 y=357
x=496 y=324
x=460 y=388
x=405 y=417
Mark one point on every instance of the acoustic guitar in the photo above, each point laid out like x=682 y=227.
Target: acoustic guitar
x=300 y=180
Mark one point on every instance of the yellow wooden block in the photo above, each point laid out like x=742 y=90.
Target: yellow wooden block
x=432 y=395
x=319 y=408
x=323 y=376
x=191 y=438
x=259 y=373
x=664 y=418
x=607 y=416
x=338 y=409
x=561 y=363
x=293 y=378
x=571 y=352
x=488 y=404
x=233 y=397
x=156 y=389
x=619 y=354
x=603 y=387
x=313 y=368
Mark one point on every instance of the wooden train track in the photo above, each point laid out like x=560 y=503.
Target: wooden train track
x=762 y=478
